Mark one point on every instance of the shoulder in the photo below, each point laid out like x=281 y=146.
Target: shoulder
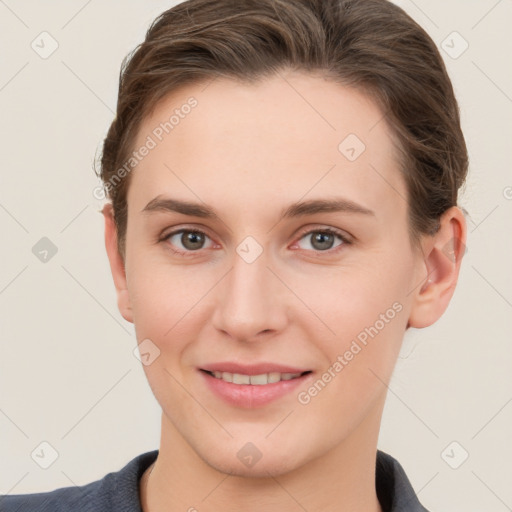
x=116 y=491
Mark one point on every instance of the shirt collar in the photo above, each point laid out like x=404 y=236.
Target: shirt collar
x=394 y=491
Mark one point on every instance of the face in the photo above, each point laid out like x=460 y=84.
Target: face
x=268 y=234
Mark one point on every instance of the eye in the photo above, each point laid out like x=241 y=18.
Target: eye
x=322 y=240
x=187 y=240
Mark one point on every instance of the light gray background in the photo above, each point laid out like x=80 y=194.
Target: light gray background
x=68 y=375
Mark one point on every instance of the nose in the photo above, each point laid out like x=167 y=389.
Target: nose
x=251 y=301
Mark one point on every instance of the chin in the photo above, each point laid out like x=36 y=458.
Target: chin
x=252 y=460
x=266 y=467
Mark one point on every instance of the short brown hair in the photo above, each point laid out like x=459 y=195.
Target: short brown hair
x=372 y=45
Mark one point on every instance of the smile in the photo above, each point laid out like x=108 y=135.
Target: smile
x=256 y=380
x=246 y=391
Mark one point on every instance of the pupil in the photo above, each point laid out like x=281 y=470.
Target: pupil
x=323 y=241
x=192 y=240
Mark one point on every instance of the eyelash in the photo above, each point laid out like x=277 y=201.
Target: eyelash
x=188 y=254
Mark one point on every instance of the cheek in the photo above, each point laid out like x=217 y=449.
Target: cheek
x=344 y=301
x=166 y=305
x=361 y=313
x=359 y=361
x=160 y=292
x=171 y=304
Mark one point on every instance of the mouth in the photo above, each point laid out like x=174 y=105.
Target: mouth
x=261 y=379
x=253 y=386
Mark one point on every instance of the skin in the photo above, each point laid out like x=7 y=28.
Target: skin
x=248 y=151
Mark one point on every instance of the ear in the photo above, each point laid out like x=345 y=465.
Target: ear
x=439 y=269
x=117 y=265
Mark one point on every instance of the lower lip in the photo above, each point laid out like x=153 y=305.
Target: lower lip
x=251 y=395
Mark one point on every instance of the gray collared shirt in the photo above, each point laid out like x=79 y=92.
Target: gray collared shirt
x=119 y=491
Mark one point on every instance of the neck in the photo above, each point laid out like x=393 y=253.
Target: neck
x=341 y=480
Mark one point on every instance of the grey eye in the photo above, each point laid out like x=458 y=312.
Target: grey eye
x=321 y=240
x=188 y=239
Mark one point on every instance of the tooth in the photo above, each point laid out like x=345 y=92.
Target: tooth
x=289 y=376
x=238 y=378
x=259 y=380
x=274 y=377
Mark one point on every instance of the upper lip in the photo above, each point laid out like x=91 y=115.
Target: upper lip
x=251 y=369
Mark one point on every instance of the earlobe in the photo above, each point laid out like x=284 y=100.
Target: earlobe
x=439 y=268
x=117 y=265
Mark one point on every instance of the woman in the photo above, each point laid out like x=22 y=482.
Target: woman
x=282 y=180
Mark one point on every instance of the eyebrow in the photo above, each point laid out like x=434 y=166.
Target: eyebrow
x=301 y=208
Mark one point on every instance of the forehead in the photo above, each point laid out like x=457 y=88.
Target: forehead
x=271 y=142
